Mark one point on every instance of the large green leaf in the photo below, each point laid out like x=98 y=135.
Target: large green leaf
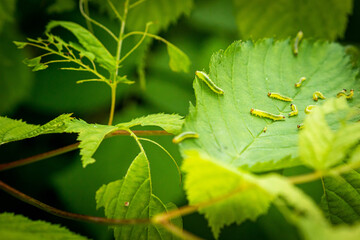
x=320 y=146
x=14 y=227
x=88 y=41
x=247 y=71
x=341 y=197
x=90 y=137
x=14 y=130
x=171 y=123
x=132 y=198
x=230 y=195
x=283 y=18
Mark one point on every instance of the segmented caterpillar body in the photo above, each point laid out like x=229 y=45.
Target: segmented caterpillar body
x=205 y=78
x=261 y=113
x=279 y=96
x=294 y=109
x=299 y=37
x=343 y=93
x=317 y=95
x=309 y=108
x=185 y=135
x=300 y=126
x=298 y=84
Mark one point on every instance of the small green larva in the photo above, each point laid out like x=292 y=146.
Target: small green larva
x=205 y=78
x=265 y=129
x=299 y=37
x=298 y=84
x=309 y=108
x=185 y=135
x=300 y=126
x=343 y=93
x=279 y=96
x=261 y=113
x=294 y=109
x=317 y=95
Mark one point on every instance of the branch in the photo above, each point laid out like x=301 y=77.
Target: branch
x=60 y=213
x=59 y=151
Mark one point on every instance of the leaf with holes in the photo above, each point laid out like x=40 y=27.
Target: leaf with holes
x=263 y=18
x=132 y=198
x=247 y=71
x=14 y=227
x=15 y=130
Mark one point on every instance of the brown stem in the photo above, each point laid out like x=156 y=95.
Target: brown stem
x=59 y=151
x=178 y=231
x=60 y=213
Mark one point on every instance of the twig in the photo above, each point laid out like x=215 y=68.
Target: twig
x=178 y=231
x=59 y=151
x=60 y=213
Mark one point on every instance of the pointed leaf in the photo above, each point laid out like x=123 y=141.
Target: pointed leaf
x=88 y=41
x=247 y=71
x=13 y=227
x=320 y=19
x=171 y=123
x=132 y=198
x=15 y=130
x=320 y=146
x=90 y=137
x=20 y=45
x=35 y=63
x=179 y=61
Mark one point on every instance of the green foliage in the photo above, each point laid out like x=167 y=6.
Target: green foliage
x=207 y=179
x=13 y=227
x=60 y=6
x=16 y=80
x=7 y=9
x=320 y=146
x=171 y=123
x=341 y=196
x=89 y=42
x=246 y=196
x=34 y=62
x=15 y=130
x=132 y=198
x=90 y=137
x=179 y=62
x=284 y=18
x=247 y=71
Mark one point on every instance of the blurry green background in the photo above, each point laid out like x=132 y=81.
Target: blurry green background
x=38 y=97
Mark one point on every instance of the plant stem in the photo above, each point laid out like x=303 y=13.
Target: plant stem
x=113 y=102
x=60 y=213
x=113 y=84
x=59 y=151
x=179 y=232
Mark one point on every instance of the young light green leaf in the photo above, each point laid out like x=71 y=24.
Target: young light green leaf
x=20 y=45
x=90 y=137
x=207 y=179
x=132 y=198
x=247 y=71
x=320 y=146
x=341 y=197
x=319 y=19
x=13 y=227
x=171 y=123
x=82 y=51
x=35 y=63
x=15 y=130
x=88 y=41
x=240 y=195
x=179 y=61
